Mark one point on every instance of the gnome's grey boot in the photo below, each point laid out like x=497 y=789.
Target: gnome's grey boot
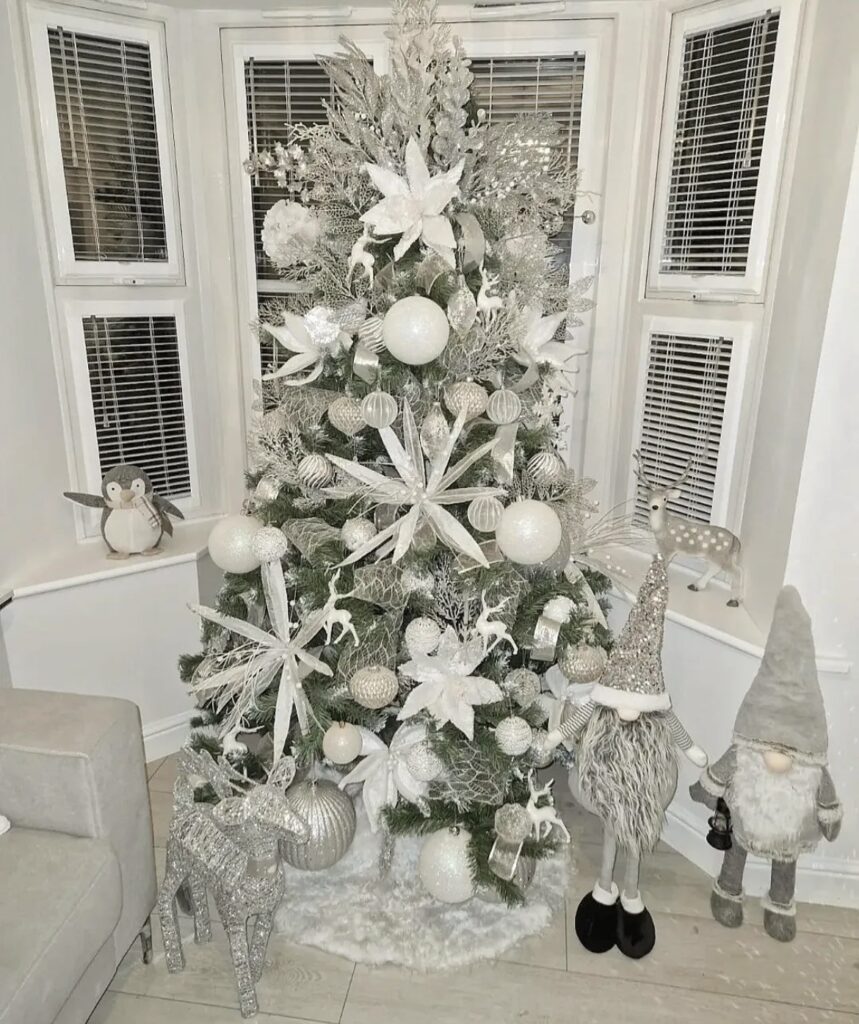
x=726 y=899
x=779 y=906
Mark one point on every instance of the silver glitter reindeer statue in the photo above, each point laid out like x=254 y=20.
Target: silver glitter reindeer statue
x=679 y=535
x=230 y=847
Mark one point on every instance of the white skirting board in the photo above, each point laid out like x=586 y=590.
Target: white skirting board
x=166 y=736
x=819 y=879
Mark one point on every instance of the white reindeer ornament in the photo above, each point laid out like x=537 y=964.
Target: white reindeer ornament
x=679 y=535
x=338 y=616
x=545 y=818
x=488 y=305
x=359 y=257
x=492 y=629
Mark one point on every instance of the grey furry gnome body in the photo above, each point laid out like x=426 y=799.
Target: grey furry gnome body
x=626 y=770
x=774 y=777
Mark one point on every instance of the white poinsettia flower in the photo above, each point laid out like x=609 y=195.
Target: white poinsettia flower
x=384 y=771
x=446 y=687
x=535 y=339
x=413 y=205
x=288 y=231
x=319 y=333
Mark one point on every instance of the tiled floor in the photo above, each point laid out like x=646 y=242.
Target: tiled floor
x=699 y=972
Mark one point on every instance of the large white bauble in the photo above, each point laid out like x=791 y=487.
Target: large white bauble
x=513 y=735
x=422 y=636
x=231 y=543
x=444 y=866
x=528 y=532
x=341 y=742
x=415 y=330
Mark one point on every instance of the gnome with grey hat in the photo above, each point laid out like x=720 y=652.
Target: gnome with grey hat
x=773 y=777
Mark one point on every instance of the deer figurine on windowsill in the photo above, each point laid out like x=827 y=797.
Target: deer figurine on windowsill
x=680 y=535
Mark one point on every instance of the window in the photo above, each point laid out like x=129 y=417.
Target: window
x=725 y=104
x=106 y=142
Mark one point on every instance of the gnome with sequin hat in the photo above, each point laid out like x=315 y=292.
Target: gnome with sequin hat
x=774 y=776
x=626 y=770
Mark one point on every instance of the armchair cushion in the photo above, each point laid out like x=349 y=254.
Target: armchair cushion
x=60 y=901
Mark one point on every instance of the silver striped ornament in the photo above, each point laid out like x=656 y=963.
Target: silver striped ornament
x=330 y=817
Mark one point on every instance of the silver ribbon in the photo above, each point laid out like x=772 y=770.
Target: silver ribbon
x=504 y=452
x=365 y=363
x=545 y=642
x=473 y=242
x=503 y=858
x=574 y=575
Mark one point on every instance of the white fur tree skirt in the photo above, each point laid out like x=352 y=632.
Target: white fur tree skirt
x=350 y=911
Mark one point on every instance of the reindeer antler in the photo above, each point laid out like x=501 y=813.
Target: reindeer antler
x=640 y=475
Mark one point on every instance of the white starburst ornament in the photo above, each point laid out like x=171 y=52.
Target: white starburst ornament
x=311 y=338
x=446 y=687
x=413 y=205
x=425 y=488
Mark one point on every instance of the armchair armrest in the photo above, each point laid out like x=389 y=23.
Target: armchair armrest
x=75 y=764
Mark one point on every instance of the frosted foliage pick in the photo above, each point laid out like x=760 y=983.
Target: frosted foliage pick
x=413 y=204
x=446 y=688
x=424 y=489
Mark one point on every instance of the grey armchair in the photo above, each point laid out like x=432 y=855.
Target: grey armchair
x=77 y=868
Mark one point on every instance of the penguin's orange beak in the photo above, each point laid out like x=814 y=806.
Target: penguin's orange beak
x=127 y=497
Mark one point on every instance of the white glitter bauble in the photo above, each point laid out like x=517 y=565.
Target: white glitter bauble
x=344 y=414
x=269 y=544
x=504 y=406
x=485 y=513
x=529 y=532
x=466 y=397
x=231 y=543
x=523 y=685
x=546 y=468
x=415 y=330
x=374 y=686
x=513 y=735
x=424 y=763
x=422 y=636
x=370 y=334
x=379 y=409
x=444 y=866
x=434 y=431
x=315 y=470
x=330 y=818
x=355 y=533
x=541 y=753
x=341 y=742
x=582 y=663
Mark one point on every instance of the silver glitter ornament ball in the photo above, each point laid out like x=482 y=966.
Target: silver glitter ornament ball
x=466 y=397
x=269 y=544
x=374 y=686
x=315 y=470
x=582 y=663
x=523 y=685
x=546 y=468
x=504 y=406
x=422 y=636
x=541 y=753
x=513 y=735
x=485 y=513
x=356 y=532
x=512 y=823
x=344 y=414
x=444 y=866
x=330 y=817
x=424 y=763
x=379 y=409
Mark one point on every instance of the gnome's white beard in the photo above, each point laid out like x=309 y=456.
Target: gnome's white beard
x=774 y=814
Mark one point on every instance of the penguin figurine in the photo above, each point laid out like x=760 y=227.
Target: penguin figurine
x=134 y=518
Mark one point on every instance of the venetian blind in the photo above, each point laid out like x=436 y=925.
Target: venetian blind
x=107 y=127
x=721 y=116
x=135 y=378
x=508 y=86
x=682 y=419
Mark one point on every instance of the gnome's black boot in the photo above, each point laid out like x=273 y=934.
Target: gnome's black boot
x=596 y=919
x=636 y=932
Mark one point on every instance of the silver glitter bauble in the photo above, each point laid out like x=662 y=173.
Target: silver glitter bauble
x=582 y=663
x=355 y=533
x=466 y=397
x=523 y=876
x=434 y=432
x=424 y=540
x=370 y=334
x=523 y=685
x=269 y=544
x=513 y=735
x=504 y=406
x=341 y=743
x=422 y=636
x=485 y=513
x=546 y=468
x=379 y=409
x=424 y=763
x=512 y=823
x=541 y=753
x=444 y=865
x=462 y=308
x=344 y=414
x=374 y=686
x=315 y=470
x=330 y=818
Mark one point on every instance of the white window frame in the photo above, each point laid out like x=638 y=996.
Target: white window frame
x=750 y=286
x=725 y=509
x=68 y=269
x=73 y=312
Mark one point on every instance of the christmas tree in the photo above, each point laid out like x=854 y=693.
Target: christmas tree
x=415 y=553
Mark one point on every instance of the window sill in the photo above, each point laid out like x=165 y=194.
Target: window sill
x=706 y=611
x=87 y=562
